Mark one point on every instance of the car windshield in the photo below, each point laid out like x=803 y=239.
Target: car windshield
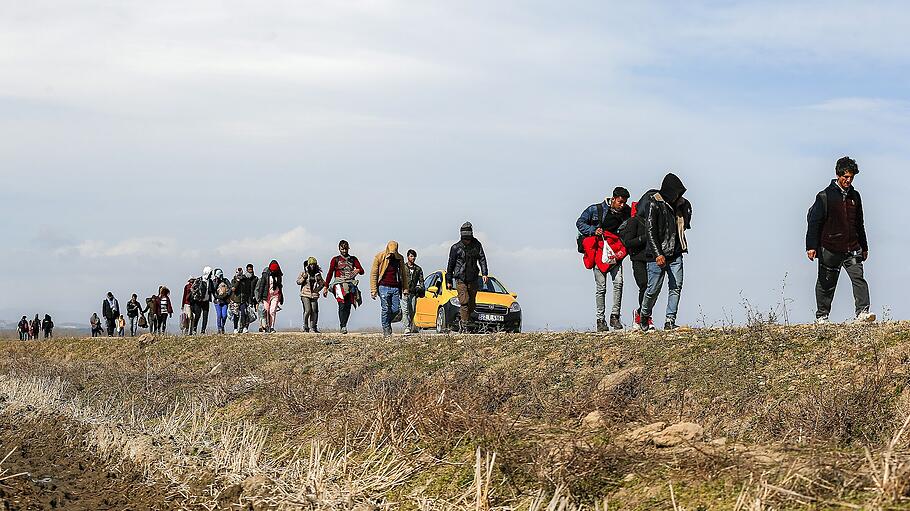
x=492 y=286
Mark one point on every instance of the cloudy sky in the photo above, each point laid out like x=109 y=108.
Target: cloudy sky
x=140 y=141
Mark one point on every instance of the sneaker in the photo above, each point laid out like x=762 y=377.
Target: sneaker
x=865 y=317
x=646 y=325
x=602 y=325
x=670 y=324
x=636 y=316
x=315 y=330
x=822 y=320
x=387 y=333
x=344 y=330
x=236 y=331
x=615 y=323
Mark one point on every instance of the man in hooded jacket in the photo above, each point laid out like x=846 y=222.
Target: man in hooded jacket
x=389 y=281
x=467 y=265
x=667 y=216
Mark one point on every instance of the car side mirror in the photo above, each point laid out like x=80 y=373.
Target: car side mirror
x=514 y=295
x=432 y=290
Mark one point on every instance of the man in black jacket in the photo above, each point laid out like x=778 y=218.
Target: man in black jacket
x=667 y=215
x=467 y=265
x=634 y=234
x=837 y=237
x=594 y=220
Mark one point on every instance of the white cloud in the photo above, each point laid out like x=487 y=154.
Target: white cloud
x=144 y=246
x=297 y=240
x=860 y=105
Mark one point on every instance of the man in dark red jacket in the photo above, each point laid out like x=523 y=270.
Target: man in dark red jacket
x=837 y=238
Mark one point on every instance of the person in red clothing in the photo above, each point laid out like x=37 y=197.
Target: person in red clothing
x=388 y=282
x=270 y=295
x=343 y=270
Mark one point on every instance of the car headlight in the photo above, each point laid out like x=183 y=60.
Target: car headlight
x=515 y=307
x=454 y=301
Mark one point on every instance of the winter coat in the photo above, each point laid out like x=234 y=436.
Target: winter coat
x=594 y=249
x=170 y=304
x=108 y=311
x=464 y=260
x=263 y=287
x=415 y=279
x=242 y=287
x=381 y=264
x=217 y=282
x=841 y=226
x=187 y=294
x=337 y=270
x=610 y=220
x=665 y=226
x=133 y=308
x=634 y=235
x=310 y=286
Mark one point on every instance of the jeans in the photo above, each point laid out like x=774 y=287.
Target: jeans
x=221 y=310
x=640 y=272
x=390 y=299
x=600 y=294
x=134 y=325
x=310 y=312
x=656 y=274
x=162 y=322
x=408 y=309
x=829 y=265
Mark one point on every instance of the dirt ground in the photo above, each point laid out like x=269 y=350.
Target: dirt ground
x=60 y=475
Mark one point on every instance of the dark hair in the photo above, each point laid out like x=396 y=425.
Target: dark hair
x=845 y=165
x=250 y=265
x=343 y=244
x=412 y=251
x=620 y=192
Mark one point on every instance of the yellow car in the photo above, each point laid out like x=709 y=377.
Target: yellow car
x=497 y=309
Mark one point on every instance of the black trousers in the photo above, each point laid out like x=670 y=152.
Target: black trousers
x=344 y=312
x=110 y=327
x=829 y=265
x=640 y=272
x=200 y=311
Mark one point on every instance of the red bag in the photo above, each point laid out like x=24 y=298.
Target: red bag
x=594 y=251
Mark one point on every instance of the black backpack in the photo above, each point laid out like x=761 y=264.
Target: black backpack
x=581 y=237
x=199 y=290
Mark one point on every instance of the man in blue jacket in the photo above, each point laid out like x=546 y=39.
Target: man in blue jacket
x=597 y=218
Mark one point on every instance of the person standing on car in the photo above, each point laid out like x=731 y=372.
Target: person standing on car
x=467 y=264
x=667 y=215
x=342 y=280
x=311 y=283
x=837 y=238
x=221 y=296
x=133 y=308
x=606 y=216
x=388 y=282
x=110 y=309
x=634 y=234
x=415 y=290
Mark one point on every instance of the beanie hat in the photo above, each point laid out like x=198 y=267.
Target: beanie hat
x=620 y=192
x=467 y=230
x=273 y=266
x=310 y=261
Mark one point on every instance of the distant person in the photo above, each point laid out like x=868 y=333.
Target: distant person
x=121 y=325
x=388 y=282
x=668 y=215
x=342 y=280
x=110 y=309
x=24 y=329
x=596 y=219
x=254 y=298
x=95 y=324
x=415 y=291
x=133 y=309
x=271 y=295
x=221 y=297
x=200 y=298
x=35 y=327
x=467 y=265
x=152 y=309
x=165 y=308
x=837 y=238
x=186 y=307
x=634 y=234
x=242 y=298
x=48 y=326
x=311 y=283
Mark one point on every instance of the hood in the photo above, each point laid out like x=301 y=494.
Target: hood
x=207 y=271
x=672 y=188
x=218 y=273
x=274 y=268
x=392 y=249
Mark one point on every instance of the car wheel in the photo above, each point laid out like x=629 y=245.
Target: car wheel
x=441 y=326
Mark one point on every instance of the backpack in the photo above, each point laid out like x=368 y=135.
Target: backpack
x=581 y=237
x=223 y=291
x=199 y=290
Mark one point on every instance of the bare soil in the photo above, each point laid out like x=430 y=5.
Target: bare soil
x=61 y=475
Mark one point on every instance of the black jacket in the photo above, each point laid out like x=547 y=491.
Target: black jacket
x=133 y=308
x=464 y=261
x=634 y=234
x=818 y=217
x=656 y=207
x=242 y=288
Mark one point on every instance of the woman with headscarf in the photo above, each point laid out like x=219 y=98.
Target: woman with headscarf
x=270 y=295
x=310 y=282
x=344 y=269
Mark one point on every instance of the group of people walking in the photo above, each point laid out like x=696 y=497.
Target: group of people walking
x=32 y=329
x=652 y=233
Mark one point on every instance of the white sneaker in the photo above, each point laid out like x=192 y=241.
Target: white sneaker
x=822 y=321
x=235 y=330
x=865 y=317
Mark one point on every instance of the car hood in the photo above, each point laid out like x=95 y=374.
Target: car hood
x=495 y=299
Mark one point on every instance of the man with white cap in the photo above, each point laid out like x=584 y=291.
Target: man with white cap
x=200 y=297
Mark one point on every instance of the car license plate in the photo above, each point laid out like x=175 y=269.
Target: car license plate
x=493 y=318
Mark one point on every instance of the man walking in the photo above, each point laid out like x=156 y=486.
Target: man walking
x=110 y=309
x=467 y=264
x=389 y=281
x=201 y=296
x=606 y=216
x=415 y=290
x=667 y=215
x=837 y=238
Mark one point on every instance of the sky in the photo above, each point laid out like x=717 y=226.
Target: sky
x=141 y=141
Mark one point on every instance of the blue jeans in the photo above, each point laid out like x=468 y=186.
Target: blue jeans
x=656 y=274
x=390 y=299
x=221 y=312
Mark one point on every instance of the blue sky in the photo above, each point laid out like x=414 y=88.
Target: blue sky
x=140 y=142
